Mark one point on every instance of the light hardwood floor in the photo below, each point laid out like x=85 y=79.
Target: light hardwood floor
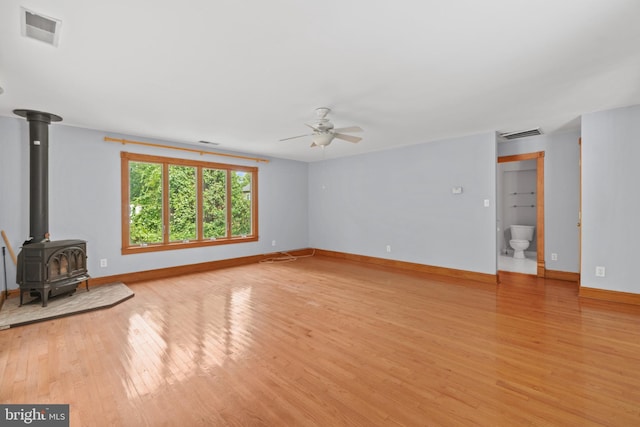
x=328 y=342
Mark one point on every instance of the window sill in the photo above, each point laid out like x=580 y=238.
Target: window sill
x=137 y=249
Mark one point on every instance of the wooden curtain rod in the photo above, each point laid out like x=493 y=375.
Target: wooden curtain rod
x=191 y=150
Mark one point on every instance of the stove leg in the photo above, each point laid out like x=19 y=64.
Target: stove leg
x=45 y=296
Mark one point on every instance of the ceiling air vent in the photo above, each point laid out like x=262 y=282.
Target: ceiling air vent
x=208 y=142
x=40 y=27
x=521 y=133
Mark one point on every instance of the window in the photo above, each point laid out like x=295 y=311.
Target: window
x=173 y=203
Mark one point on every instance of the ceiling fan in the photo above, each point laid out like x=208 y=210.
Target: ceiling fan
x=324 y=132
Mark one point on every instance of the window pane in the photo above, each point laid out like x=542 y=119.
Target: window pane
x=145 y=203
x=164 y=210
x=214 y=203
x=240 y=204
x=182 y=203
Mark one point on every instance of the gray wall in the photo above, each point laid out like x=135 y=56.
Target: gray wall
x=610 y=198
x=84 y=199
x=402 y=198
x=360 y=204
x=561 y=194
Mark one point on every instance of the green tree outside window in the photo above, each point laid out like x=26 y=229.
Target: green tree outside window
x=196 y=203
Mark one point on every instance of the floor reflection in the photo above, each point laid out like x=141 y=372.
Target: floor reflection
x=146 y=349
x=219 y=328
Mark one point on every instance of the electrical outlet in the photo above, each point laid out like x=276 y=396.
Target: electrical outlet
x=103 y=262
x=486 y=203
x=273 y=243
x=599 y=271
x=388 y=248
x=554 y=257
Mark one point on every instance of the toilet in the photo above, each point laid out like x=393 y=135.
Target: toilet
x=521 y=236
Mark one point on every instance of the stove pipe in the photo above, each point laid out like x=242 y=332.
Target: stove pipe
x=38 y=172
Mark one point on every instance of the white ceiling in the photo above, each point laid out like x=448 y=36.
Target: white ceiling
x=248 y=73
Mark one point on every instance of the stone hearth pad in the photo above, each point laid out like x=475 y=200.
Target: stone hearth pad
x=104 y=296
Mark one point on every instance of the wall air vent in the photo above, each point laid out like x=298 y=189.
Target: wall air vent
x=521 y=133
x=40 y=27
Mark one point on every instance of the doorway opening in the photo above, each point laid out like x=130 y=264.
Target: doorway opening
x=521 y=203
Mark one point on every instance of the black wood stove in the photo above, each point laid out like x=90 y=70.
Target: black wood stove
x=46 y=268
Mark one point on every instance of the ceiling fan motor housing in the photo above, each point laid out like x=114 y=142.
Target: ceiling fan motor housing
x=324 y=125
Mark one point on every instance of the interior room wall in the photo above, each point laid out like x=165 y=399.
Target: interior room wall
x=402 y=198
x=84 y=199
x=561 y=193
x=14 y=193
x=610 y=198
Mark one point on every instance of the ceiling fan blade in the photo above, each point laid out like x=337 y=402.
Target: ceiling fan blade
x=349 y=129
x=294 y=137
x=312 y=127
x=349 y=138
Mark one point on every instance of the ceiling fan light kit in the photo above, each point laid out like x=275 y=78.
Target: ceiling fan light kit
x=321 y=139
x=324 y=132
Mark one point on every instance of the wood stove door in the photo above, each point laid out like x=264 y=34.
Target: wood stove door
x=66 y=263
